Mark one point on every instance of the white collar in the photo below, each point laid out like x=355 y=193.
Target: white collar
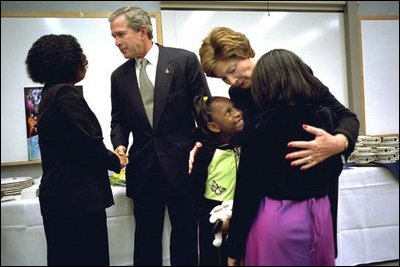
x=151 y=56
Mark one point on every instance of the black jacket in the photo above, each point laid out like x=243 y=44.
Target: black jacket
x=346 y=123
x=74 y=158
x=264 y=171
x=179 y=78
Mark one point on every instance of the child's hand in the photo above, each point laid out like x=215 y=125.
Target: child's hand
x=235 y=262
x=225 y=226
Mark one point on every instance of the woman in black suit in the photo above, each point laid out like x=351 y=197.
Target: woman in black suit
x=75 y=189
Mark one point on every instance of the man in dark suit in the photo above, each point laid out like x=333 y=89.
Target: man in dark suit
x=161 y=124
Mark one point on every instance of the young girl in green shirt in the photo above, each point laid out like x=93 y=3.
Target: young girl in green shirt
x=214 y=175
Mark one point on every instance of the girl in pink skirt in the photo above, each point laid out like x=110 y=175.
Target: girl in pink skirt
x=281 y=213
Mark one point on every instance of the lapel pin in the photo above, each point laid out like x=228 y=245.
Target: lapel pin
x=167 y=71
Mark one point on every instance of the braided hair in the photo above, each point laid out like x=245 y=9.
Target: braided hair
x=203 y=106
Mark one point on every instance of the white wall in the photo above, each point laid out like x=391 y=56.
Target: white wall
x=318 y=38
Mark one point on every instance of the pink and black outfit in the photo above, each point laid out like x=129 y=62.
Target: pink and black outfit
x=281 y=214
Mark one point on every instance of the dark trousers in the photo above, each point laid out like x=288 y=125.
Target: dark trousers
x=80 y=240
x=209 y=255
x=149 y=212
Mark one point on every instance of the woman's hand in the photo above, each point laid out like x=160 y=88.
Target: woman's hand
x=192 y=155
x=313 y=152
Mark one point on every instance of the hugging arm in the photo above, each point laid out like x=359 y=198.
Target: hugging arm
x=192 y=156
x=341 y=140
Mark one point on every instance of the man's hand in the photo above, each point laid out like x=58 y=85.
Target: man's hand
x=123 y=156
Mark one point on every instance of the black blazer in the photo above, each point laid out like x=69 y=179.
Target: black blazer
x=179 y=78
x=348 y=123
x=74 y=157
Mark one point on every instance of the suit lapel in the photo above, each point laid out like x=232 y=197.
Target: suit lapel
x=162 y=86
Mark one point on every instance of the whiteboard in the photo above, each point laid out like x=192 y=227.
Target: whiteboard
x=380 y=57
x=318 y=38
x=18 y=35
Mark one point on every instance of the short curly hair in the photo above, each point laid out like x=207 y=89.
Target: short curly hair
x=55 y=59
x=223 y=43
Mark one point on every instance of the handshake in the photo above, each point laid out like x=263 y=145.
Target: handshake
x=120 y=151
x=219 y=216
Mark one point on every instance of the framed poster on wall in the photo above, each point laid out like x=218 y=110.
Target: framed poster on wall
x=32 y=99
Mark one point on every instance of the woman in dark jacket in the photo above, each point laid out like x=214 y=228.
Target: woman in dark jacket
x=75 y=188
x=228 y=55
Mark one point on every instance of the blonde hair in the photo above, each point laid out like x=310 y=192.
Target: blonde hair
x=223 y=43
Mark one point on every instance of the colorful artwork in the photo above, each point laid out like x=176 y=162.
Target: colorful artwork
x=32 y=100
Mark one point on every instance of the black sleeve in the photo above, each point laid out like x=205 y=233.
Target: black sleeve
x=85 y=139
x=245 y=206
x=119 y=132
x=348 y=123
x=196 y=79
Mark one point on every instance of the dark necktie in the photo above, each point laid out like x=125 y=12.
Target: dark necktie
x=146 y=90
